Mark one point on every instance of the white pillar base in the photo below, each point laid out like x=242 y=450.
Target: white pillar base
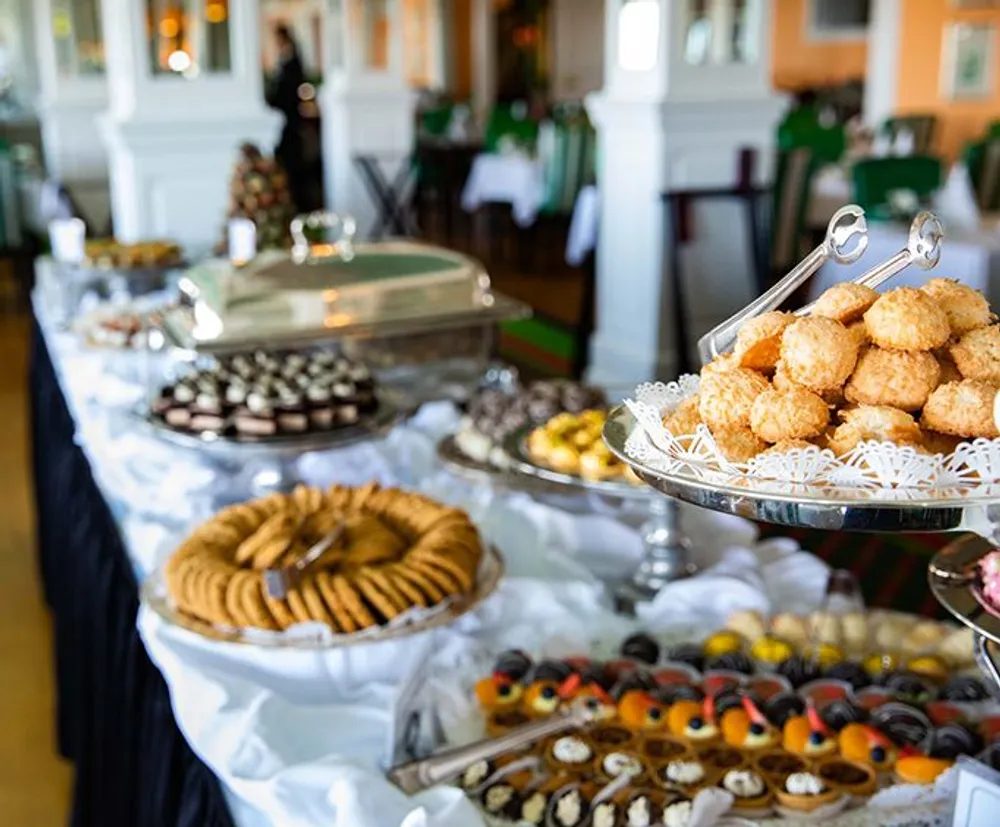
x=170 y=179
x=648 y=147
x=368 y=121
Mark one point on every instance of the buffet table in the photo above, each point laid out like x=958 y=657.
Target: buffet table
x=168 y=728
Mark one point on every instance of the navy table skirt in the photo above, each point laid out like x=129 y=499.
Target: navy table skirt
x=133 y=766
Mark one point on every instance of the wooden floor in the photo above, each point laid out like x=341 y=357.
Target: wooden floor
x=34 y=783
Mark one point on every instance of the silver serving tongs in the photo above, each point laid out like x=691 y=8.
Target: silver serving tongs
x=418 y=775
x=846 y=223
x=923 y=249
x=277 y=582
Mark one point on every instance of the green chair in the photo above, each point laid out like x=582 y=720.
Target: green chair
x=876 y=178
x=921 y=127
x=434 y=122
x=983 y=162
x=502 y=123
x=794 y=173
x=801 y=129
x=567 y=150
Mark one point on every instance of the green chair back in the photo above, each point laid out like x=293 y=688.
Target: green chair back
x=921 y=127
x=876 y=178
x=983 y=162
x=434 y=122
x=801 y=129
x=993 y=130
x=794 y=173
x=568 y=153
x=501 y=124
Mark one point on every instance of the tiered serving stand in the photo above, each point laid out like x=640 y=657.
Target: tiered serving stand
x=666 y=549
x=973 y=507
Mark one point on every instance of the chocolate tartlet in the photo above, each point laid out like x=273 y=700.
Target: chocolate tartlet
x=782 y=707
x=641 y=647
x=732 y=662
x=838 y=714
x=954 y=739
x=777 y=764
x=849 y=672
x=798 y=670
x=964 y=688
x=689 y=653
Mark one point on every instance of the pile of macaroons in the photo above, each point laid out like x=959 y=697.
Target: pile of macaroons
x=916 y=367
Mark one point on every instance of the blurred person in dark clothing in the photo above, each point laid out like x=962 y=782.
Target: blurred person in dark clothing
x=283 y=95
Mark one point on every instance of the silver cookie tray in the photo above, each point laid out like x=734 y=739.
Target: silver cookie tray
x=316 y=636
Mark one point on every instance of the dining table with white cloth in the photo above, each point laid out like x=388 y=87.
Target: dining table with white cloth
x=513 y=178
x=301 y=738
x=971 y=256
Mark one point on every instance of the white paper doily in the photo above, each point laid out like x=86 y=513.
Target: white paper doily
x=895 y=471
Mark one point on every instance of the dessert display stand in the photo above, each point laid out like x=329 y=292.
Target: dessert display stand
x=970 y=506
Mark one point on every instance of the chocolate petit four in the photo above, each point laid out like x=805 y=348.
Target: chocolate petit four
x=841 y=712
x=262 y=394
x=782 y=707
x=954 y=739
x=688 y=653
x=731 y=662
x=798 y=670
x=849 y=672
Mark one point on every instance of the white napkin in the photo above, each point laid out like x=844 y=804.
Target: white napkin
x=955 y=203
x=904 y=143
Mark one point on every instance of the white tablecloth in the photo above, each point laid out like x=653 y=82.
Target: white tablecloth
x=299 y=738
x=831 y=190
x=584 y=226
x=973 y=258
x=513 y=179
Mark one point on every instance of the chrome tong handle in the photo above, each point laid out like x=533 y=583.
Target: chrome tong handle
x=418 y=775
x=846 y=223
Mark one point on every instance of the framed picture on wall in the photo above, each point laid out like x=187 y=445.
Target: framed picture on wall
x=969 y=64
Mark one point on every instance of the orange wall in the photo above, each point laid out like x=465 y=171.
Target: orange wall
x=798 y=62
x=920 y=88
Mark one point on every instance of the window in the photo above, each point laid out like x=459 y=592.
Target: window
x=839 y=18
x=187 y=37
x=76 y=28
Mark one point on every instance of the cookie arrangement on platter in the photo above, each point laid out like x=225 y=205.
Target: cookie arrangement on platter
x=399 y=551
x=494 y=414
x=782 y=732
x=914 y=367
x=261 y=394
x=111 y=254
x=119 y=328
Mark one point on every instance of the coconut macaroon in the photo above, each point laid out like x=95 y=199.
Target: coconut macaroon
x=937 y=443
x=738 y=444
x=725 y=398
x=818 y=353
x=684 y=419
x=859 y=330
x=873 y=423
x=758 y=344
x=895 y=378
x=949 y=370
x=782 y=382
x=720 y=364
x=846 y=302
x=965 y=307
x=962 y=409
x=907 y=319
x=781 y=415
x=789 y=445
x=977 y=354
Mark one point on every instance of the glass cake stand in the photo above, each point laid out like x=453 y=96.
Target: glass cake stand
x=269 y=463
x=974 y=508
x=666 y=549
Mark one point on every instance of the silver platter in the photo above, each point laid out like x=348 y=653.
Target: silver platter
x=521 y=463
x=376 y=425
x=154 y=595
x=953 y=579
x=452 y=457
x=809 y=506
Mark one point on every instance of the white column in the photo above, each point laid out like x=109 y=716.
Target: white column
x=172 y=138
x=69 y=103
x=664 y=124
x=484 y=58
x=367 y=105
x=882 y=71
